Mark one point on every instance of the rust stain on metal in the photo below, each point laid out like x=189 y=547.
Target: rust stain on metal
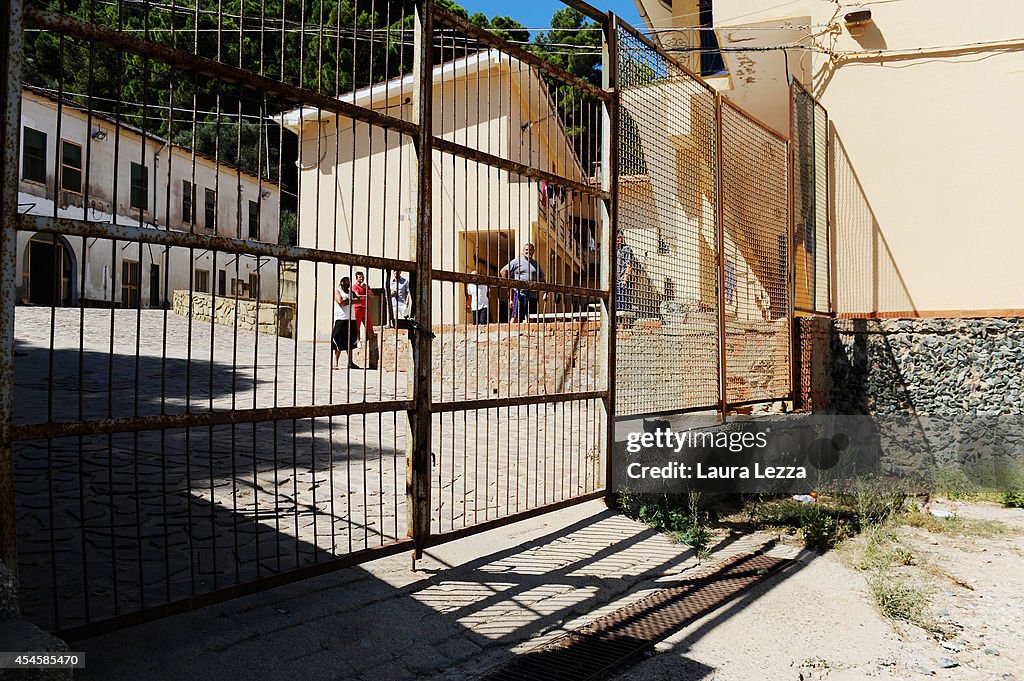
x=11 y=75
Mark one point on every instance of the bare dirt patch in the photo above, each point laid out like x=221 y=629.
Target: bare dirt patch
x=955 y=590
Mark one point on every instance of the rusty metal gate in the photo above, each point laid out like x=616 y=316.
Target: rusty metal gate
x=288 y=289
x=294 y=289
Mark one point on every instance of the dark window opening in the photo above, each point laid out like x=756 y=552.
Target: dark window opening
x=70 y=167
x=211 y=210
x=711 y=62
x=131 y=275
x=222 y=282
x=33 y=156
x=154 y=285
x=139 y=195
x=202 y=281
x=254 y=220
x=188 y=202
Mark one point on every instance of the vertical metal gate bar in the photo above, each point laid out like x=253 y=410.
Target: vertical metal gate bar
x=723 y=392
x=794 y=351
x=830 y=279
x=610 y=162
x=11 y=74
x=420 y=418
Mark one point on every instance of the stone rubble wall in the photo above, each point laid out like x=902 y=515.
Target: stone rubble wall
x=942 y=393
x=249 y=315
x=937 y=367
x=17 y=635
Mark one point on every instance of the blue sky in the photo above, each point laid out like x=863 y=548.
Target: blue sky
x=537 y=13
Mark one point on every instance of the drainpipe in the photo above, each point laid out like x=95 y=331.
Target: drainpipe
x=156 y=221
x=156 y=172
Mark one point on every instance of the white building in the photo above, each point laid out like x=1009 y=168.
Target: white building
x=67 y=161
x=487 y=101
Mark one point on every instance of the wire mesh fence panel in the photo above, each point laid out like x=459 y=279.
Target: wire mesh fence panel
x=667 y=307
x=216 y=218
x=810 y=205
x=823 y=244
x=755 y=219
x=517 y=305
x=804 y=234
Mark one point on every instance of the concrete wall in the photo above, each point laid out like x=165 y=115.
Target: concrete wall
x=924 y=137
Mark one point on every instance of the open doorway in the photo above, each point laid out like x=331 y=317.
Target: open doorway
x=49 y=271
x=487 y=252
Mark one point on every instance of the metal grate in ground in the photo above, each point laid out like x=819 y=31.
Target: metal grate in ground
x=607 y=644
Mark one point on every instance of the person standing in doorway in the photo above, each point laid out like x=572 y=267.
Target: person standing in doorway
x=345 y=331
x=399 y=298
x=476 y=302
x=363 y=296
x=524 y=268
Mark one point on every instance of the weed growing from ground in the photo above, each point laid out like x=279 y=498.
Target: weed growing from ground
x=1012 y=498
x=966 y=527
x=900 y=598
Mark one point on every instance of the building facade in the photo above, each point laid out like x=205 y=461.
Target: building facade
x=358 y=186
x=924 y=144
x=67 y=170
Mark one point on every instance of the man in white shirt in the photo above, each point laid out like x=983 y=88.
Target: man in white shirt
x=476 y=302
x=345 y=332
x=399 y=298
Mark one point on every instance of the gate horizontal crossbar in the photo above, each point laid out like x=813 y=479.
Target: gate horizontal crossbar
x=462 y=26
x=45 y=431
x=755 y=120
x=462 y=151
x=193 y=63
x=500 y=402
x=500 y=282
x=163 y=237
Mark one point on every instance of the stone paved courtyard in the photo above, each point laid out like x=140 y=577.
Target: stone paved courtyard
x=139 y=519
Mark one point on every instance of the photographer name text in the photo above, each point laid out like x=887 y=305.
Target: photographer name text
x=700 y=471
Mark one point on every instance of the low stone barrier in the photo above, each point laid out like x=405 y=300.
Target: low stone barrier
x=249 y=315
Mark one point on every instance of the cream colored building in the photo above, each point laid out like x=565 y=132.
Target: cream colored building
x=667 y=213
x=358 y=186
x=67 y=169
x=924 y=100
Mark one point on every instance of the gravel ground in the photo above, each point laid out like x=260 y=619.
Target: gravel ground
x=818 y=619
